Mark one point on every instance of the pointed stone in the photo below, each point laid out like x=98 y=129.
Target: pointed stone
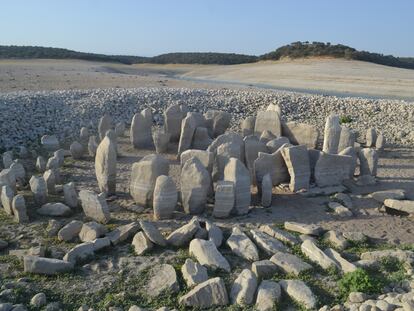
x=266 y=136
x=40 y=164
x=188 y=127
x=346 y=139
x=218 y=121
x=244 y=288
x=272 y=164
x=341 y=262
x=207 y=255
x=206 y=158
x=332 y=134
x=368 y=159
x=214 y=233
x=122 y=233
x=223 y=154
x=268 y=120
x=173 y=116
x=242 y=246
x=247 y=126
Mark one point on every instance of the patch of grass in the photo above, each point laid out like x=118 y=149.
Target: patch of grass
x=345 y=119
x=358 y=281
x=5 y=219
x=14 y=262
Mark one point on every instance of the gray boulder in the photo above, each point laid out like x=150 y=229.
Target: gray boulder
x=236 y=172
x=105 y=166
x=165 y=197
x=94 y=206
x=297 y=162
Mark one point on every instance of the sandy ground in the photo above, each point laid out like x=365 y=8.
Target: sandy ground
x=323 y=76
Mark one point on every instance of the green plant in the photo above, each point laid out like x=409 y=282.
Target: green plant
x=358 y=281
x=345 y=119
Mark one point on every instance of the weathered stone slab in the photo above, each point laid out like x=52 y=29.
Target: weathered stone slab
x=368 y=159
x=49 y=177
x=120 y=129
x=39 y=189
x=122 y=233
x=380 y=142
x=371 y=137
x=340 y=262
x=315 y=254
x=242 y=246
x=267 y=136
x=48 y=266
x=346 y=139
x=165 y=197
x=195 y=185
x=299 y=292
x=8 y=178
x=207 y=255
x=252 y=147
x=206 y=158
x=143 y=177
x=272 y=164
x=268 y=296
x=91 y=231
x=164 y=278
x=80 y=252
x=289 y=263
x=140 y=131
x=218 y=121
x=105 y=166
x=7 y=159
x=40 y=164
x=208 y=294
x=173 y=116
x=201 y=139
x=244 y=287
x=92 y=146
x=214 y=233
x=332 y=169
x=229 y=137
x=300 y=134
x=54 y=209
x=337 y=239
x=193 y=273
x=188 y=127
x=70 y=231
x=406 y=206
x=236 y=172
x=94 y=206
x=350 y=151
x=105 y=124
x=274 y=144
x=153 y=234
x=76 y=149
x=266 y=243
x=7 y=195
x=141 y=243
x=70 y=195
x=184 y=234
x=161 y=141
x=49 y=143
x=266 y=191
x=19 y=209
x=332 y=134
x=381 y=196
x=224 y=199
x=268 y=120
x=339 y=209
x=310 y=229
x=264 y=269
x=297 y=162
x=279 y=234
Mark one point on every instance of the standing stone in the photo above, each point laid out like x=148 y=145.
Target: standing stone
x=105 y=124
x=59 y=155
x=268 y=120
x=223 y=154
x=105 y=166
x=252 y=147
x=380 y=142
x=84 y=134
x=332 y=169
x=247 y=126
x=236 y=172
x=272 y=164
x=76 y=149
x=39 y=188
x=244 y=288
x=301 y=134
x=40 y=164
x=143 y=177
x=201 y=139
x=94 y=206
x=219 y=121
x=297 y=162
x=207 y=255
x=224 y=199
x=120 y=129
x=195 y=184
x=332 y=134
x=173 y=116
x=350 y=151
x=19 y=209
x=49 y=177
x=266 y=191
x=368 y=159
x=92 y=146
x=206 y=158
x=70 y=195
x=161 y=141
x=165 y=197
x=274 y=144
x=7 y=177
x=7 y=195
x=7 y=159
x=299 y=292
x=193 y=273
x=371 y=137
x=346 y=139
x=18 y=171
x=267 y=136
x=268 y=296
x=140 y=132
x=23 y=152
x=210 y=293
x=49 y=143
x=188 y=127
x=229 y=137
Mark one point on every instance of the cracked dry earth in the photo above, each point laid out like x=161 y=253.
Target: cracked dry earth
x=116 y=277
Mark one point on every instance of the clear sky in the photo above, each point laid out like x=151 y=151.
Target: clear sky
x=150 y=27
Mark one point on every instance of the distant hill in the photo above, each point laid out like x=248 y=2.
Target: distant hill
x=294 y=50
x=318 y=49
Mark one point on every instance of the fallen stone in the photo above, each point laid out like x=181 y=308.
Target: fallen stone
x=101 y=243
x=91 y=231
x=242 y=246
x=70 y=195
x=152 y=233
x=344 y=199
x=38 y=300
x=310 y=229
x=80 y=252
x=214 y=233
x=279 y=234
x=339 y=209
x=163 y=279
x=184 y=234
x=208 y=294
x=406 y=206
x=266 y=243
x=54 y=209
x=336 y=239
x=264 y=269
x=49 y=143
x=402 y=255
x=94 y=206
x=317 y=255
x=381 y=196
x=289 y=264
x=143 y=177
x=70 y=231
x=193 y=273
x=207 y=255
x=244 y=287
x=141 y=243
x=165 y=197
x=299 y=292
x=48 y=266
x=122 y=233
x=268 y=296
x=340 y=262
